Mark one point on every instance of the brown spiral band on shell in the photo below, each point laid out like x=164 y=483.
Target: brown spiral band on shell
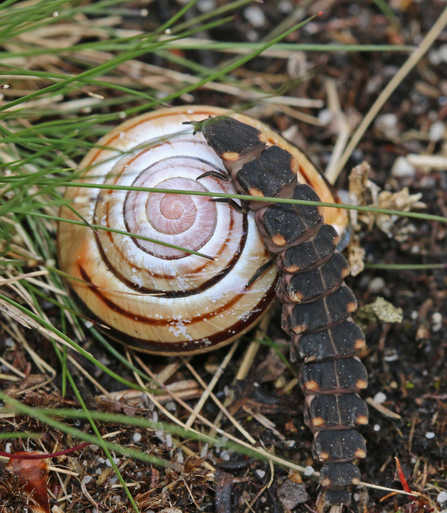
x=152 y=297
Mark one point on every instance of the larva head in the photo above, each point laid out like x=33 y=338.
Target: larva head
x=234 y=142
x=227 y=125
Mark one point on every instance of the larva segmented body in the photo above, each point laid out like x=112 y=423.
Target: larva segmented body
x=317 y=304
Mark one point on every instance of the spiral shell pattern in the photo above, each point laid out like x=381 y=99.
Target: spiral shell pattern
x=153 y=297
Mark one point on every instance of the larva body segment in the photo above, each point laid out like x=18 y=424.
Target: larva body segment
x=317 y=304
x=271 y=174
x=341 y=341
x=335 y=411
x=308 y=286
x=310 y=254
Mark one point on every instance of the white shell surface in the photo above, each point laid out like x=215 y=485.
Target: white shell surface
x=154 y=298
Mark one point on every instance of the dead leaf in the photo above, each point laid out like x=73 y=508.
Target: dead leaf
x=32 y=475
x=364 y=192
x=356 y=255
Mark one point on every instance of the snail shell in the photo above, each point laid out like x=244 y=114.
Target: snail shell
x=152 y=297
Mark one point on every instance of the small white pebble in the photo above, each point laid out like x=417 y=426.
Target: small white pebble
x=105 y=361
x=255 y=16
x=442 y=52
x=290 y=443
x=206 y=5
x=436 y=131
x=169 y=440
x=55 y=14
x=115 y=460
x=437 y=317
x=252 y=36
x=204 y=451
x=386 y=121
x=325 y=117
x=376 y=285
x=391 y=357
x=434 y=57
x=225 y=455
x=168 y=31
x=429 y=435
x=285 y=6
x=414 y=315
x=87 y=479
x=380 y=397
x=356 y=497
x=144 y=13
x=137 y=437
x=171 y=406
x=88 y=324
x=442 y=497
x=311 y=28
x=122 y=115
x=437 y=321
x=160 y=94
x=261 y=473
x=8 y=447
x=402 y=168
x=308 y=471
x=377 y=427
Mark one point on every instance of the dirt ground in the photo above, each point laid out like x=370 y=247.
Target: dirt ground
x=405 y=361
